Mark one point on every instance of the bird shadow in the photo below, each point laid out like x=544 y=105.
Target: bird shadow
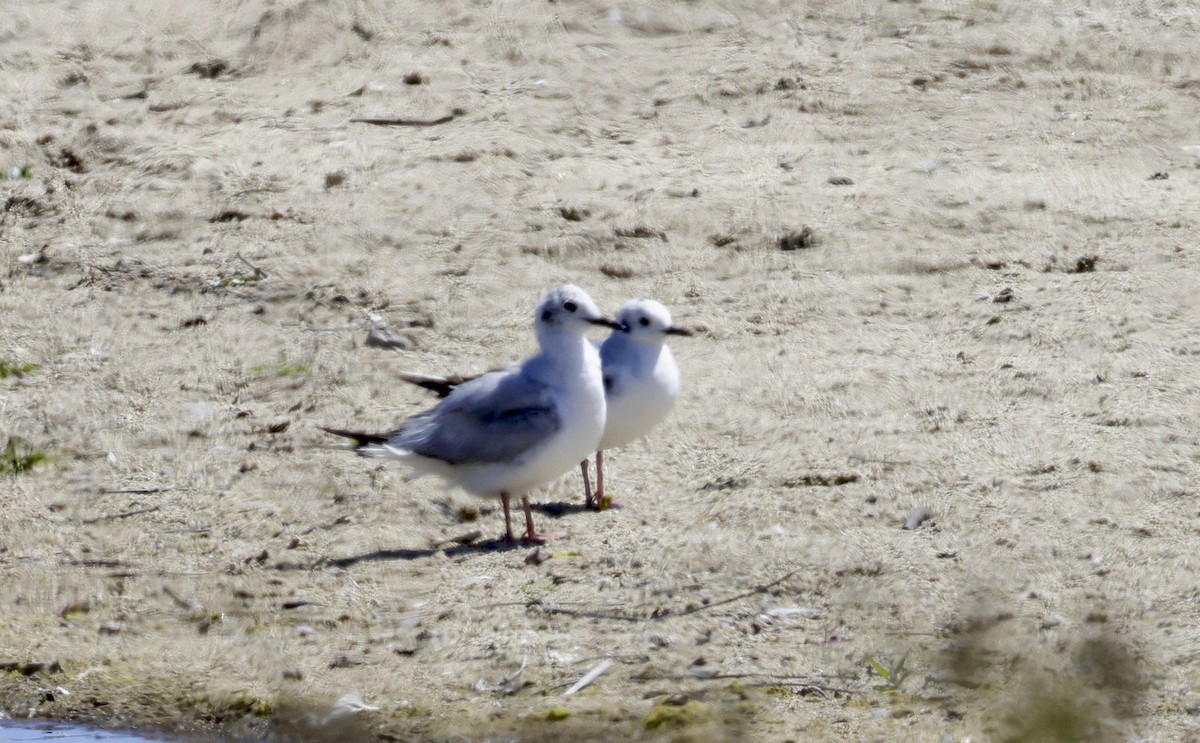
x=474 y=546
x=499 y=544
x=558 y=509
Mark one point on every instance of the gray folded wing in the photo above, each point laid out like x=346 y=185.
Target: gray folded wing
x=493 y=418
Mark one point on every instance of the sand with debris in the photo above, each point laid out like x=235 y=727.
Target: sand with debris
x=943 y=261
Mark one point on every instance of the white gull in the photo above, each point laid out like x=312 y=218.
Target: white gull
x=509 y=431
x=641 y=382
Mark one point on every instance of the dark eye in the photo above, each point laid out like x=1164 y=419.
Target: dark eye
x=644 y=321
x=547 y=316
x=570 y=306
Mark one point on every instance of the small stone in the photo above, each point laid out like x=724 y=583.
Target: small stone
x=805 y=238
x=380 y=338
x=917 y=517
x=1086 y=264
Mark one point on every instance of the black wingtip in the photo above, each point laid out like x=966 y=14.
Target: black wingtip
x=440 y=386
x=360 y=438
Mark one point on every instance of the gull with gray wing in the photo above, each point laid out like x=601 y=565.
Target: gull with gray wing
x=509 y=431
x=641 y=382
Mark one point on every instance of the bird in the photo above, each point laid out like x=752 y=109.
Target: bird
x=641 y=383
x=508 y=431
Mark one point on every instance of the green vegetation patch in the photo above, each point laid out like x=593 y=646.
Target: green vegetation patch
x=19 y=456
x=554 y=714
x=670 y=715
x=22 y=173
x=14 y=369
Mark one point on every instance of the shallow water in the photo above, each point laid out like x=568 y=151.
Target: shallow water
x=12 y=731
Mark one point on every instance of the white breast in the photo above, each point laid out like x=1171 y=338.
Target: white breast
x=640 y=398
x=581 y=409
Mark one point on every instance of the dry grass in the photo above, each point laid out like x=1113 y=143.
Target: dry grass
x=189 y=271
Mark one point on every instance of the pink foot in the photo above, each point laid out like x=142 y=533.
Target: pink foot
x=543 y=537
x=532 y=536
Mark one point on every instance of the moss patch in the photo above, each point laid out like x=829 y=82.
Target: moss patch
x=670 y=715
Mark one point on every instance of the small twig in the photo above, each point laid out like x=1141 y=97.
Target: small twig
x=189 y=530
x=659 y=615
x=768 y=679
x=100 y=563
x=589 y=677
x=482 y=685
x=585 y=613
x=122 y=515
x=327 y=525
x=133 y=491
x=468 y=538
x=257 y=271
x=873 y=460
x=753 y=591
x=263 y=189
x=181 y=602
x=821 y=689
x=405 y=122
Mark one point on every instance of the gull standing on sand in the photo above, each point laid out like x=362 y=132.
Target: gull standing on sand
x=509 y=431
x=641 y=382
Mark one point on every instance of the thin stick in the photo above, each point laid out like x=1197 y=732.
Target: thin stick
x=768 y=679
x=753 y=591
x=257 y=271
x=482 y=685
x=327 y=525
x=133 y=491
x=405 y=122
x=586 y=613
x=589 y=677
x=592 y=614
x=181 y=602
x=122 y=515
x=467 y=538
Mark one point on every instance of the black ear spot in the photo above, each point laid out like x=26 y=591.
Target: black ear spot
x=570 y=306
x=643 y=321
x=547 y=315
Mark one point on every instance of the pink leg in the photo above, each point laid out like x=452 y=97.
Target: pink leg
x=507 y=518
x=531 y=536
x=599 y=500
x=599 y=497
x=587 y=485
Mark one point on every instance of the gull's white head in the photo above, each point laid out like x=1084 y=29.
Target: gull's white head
x=568 y=308
x=647 y=321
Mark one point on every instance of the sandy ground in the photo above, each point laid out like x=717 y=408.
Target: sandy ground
x=987 y=311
